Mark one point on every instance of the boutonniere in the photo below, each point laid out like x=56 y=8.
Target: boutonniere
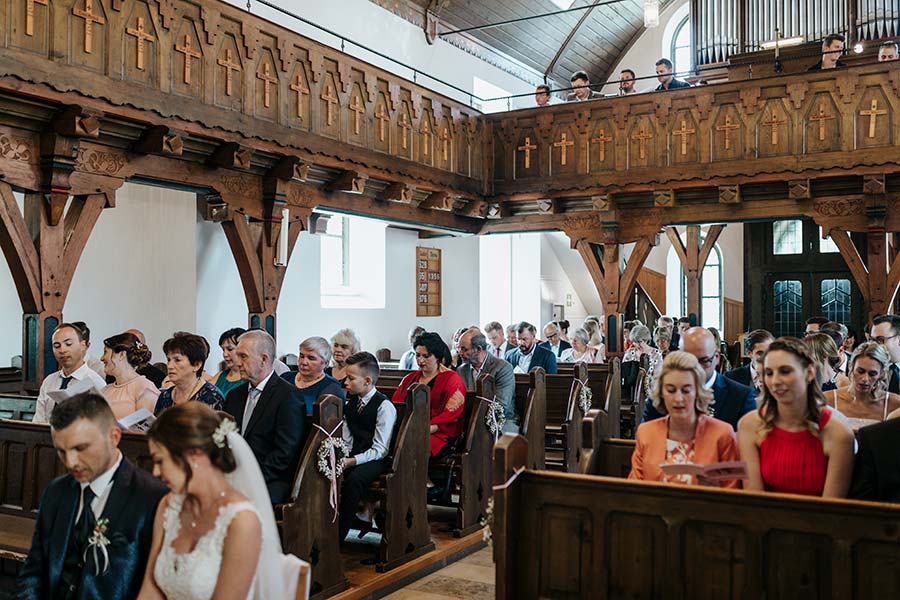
x=96 y=545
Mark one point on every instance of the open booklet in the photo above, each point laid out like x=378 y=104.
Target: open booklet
x=78 y=386
x=720 y=471
x=139 y=420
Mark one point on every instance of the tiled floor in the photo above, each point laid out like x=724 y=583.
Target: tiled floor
x=470 y=578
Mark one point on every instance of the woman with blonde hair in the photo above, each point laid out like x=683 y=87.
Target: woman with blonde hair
x=594 y=330
x=791 y=444
x=866 y=400
x=827 y=358
x=686 y=434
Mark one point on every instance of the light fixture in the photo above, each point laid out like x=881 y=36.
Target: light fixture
x=651 y=13
x=858 y=48
x=281 y=250
x=782 y=43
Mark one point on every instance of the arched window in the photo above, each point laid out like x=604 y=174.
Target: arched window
x=711 y=302
x=676 y=40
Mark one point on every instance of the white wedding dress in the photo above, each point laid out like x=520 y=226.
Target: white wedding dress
x=193 y=576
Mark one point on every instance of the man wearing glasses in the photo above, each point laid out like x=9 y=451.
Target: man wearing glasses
x=553 y=343
x=885 y=331
x=732 y=399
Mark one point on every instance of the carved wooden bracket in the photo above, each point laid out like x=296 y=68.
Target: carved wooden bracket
x=475 y=208
x=847 y=84
x=663 y=104
x=664 y=198
x=729 y=194
x=497 y=210
x=704 y=102
x=397 y=192
x=873 y=184
x=352 y=182
x=290 y=168
x=750 y=99
x=603 y=203
x=797 y=92
x=159 y=140
x=548 y=206
x=438 y=201
x=73 y=121
x=799 y=189
x=230 y=155
x=215 y=209
x=58 y=157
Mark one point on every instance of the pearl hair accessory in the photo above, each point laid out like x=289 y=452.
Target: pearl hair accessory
x=220 y=435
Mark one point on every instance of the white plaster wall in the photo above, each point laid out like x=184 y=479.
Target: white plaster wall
x=556 y=285
x=10 y=311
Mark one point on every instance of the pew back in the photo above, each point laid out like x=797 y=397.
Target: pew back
x=531 y=406
x=564 y=419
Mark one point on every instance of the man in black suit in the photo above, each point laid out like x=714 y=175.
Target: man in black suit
x=553 y=342
x=876 y=475
x=268 y=412
x=528 y=354
x=103 y=491
x=757 y=343
x=731 y=399
x=886 y=331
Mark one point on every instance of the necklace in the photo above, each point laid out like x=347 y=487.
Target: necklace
x=194 y=523
x=190 y=394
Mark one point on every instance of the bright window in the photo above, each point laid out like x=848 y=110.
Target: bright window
x=486 y=90
x=787 y=237
x=352 y=263
x=827 y=245
x=711 y=296
x=681 y=47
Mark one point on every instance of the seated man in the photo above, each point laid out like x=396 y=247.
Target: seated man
x=554 y=344
x=499 y=346
x=582 y=90
x=832 y=48
x=888 y=51
x=731 y=400
x=69 y=349
x=473 y=347
x=529 y=355
x=757 y=343
x=369 y=417
x=665 y=77
x=876 y=474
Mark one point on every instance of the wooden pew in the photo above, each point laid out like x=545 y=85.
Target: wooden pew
x=28 y=463
x=470 y=465
x=598 y=537
x=17 y=407
x=307 y=526
x=605 y=381
x=388 y=381
x=563 y=431
x=402 y=490
x=11 y=379
x=531 y=406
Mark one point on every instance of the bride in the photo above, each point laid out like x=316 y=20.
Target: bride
x=214 y=535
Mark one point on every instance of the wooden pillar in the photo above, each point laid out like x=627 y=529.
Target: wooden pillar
x=693 y=257
x=42 y=248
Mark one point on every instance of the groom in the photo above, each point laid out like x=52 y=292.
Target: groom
x=103 y=491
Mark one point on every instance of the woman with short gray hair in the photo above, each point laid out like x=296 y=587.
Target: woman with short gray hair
x=640 y=345
x=581 y=350
x=310 y=378
x=343 y=344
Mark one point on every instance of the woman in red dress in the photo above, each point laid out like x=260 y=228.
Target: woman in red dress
x=792 y=444
x=448 y=392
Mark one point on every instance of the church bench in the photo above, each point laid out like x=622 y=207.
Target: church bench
x=598 y=537
x=605 y=381
x=531 y=406
x=17 y=407
x=10 y=379
x=308 y=527
x=469 y=467
x=402 y=491
x=563 y=425
x=28 y=463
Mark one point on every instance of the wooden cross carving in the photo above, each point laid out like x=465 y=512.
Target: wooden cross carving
x=727 y=128
x=331 y=101
x=29 y=15
x=602 y=140
x=445 y=138
x=405 y=126
x=298 y=87
x=563 y=144
x=267 y=78
x=527 y=148
x=684 y=132
x=641 y=136
x=358 y=109
x=774 y=122
x=142 y=36
x=187 y=48
x=383 y=117
x=425 y=130
x=89 y=19
x=873 y=113
x=230 y=67
x=821 y=117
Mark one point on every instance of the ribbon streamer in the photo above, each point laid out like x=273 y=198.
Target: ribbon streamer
x=94 y=543
x=509 y=481
x=332 y=463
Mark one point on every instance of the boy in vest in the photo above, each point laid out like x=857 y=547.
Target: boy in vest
x=369 y=418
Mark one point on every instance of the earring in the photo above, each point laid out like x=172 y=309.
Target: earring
x=194 y=466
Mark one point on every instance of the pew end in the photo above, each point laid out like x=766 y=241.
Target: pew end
x=531 y=404
x=510 y=455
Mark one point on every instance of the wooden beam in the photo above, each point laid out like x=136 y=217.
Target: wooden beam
x=633 y=267
x=893 y=282
x=854 y=262
x=20 y=253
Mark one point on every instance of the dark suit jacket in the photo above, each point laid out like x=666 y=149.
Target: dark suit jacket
x=275 y=432
x=732 y=401
x=542 y=358
x=130 y=508
x=563 y=345
x=673 y=85
x=741 y=375
x=876 y=475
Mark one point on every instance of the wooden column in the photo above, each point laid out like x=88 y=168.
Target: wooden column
x=693 y=257
x=42 y=248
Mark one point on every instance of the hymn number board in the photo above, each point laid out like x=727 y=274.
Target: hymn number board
x=428 y=282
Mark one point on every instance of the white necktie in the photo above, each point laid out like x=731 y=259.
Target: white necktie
x=252 y=399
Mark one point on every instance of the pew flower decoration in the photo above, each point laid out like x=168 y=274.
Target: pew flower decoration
x=487 y=522
x=96 y=547
x=331 y=456
x=495 y=418
x=585 y=397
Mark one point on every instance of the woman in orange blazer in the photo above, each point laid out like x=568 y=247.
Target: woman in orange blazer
x=686 y=434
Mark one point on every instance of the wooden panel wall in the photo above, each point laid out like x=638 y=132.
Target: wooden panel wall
x=734 y=319
x=654 y=283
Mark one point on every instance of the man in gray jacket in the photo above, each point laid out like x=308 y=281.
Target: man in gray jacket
x=473 y=349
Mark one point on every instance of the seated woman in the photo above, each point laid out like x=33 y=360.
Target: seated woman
x=686 y=434
x=122 y=355
x=311 y=378
x=790 y=444
x=866 y=400
x=229 y=377
x=186 y=354
x=448 y=392
x=640 y=345
x=594 y=328
x=344 y=343
x=581 y=351
x=662 y=337
x=826 y=357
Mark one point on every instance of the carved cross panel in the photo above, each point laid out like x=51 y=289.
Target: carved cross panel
x=565 y=150
x=299 y=105
x=642 y=143
x=426 y=132
x=773 y=129
x=874 y=119
x=187 y=60
x=266 y=86
x=140 y=44
x=527 y=163
x=329 y=106
x=404 y=140
x=382 y=131
x=88 y=31
x=357 y=121
x=727 y=134
x=30 y=25
x=684 y=140
x=229 y=74
x=822 y=124
x=602 y=146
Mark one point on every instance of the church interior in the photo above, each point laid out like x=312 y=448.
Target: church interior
x=362 y=168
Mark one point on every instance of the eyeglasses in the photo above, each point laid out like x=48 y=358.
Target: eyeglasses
x=553 y=336
x=881 y=340
x=706 y=360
